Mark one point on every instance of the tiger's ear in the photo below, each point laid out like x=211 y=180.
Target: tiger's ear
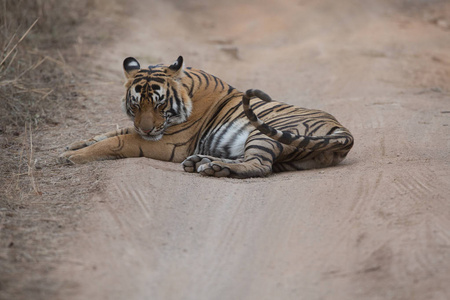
x=130 y=67
x=176 y=69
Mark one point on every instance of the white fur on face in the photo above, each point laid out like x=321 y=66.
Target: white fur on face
x=157 y=94
x=135 y=96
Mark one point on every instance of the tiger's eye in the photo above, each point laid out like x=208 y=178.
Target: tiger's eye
x=138 y=88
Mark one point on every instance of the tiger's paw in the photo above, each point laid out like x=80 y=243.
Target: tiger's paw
x=81 y=144
x=214 y=169
x=193 y=162
x=205 y=165
x=64 y=158
x=72 y=158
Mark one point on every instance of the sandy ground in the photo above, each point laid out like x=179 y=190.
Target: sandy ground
x=375 y=227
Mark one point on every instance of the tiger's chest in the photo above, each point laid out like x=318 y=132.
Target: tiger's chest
x=225 y=141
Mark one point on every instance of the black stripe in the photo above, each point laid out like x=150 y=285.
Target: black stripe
x=206 y=78
x=136 y=80
x=265 y=138
x=160 y=80
x=230 y=114
x=143 y=72
x=173 y=153
x=213 y=122
x=295 y=155
x=177 y=100
x=179 y=145
x=304 y=143
x=120 y=145
x=251 y=116
x=218 y=139
x=158 y=74
x=286 y=138
x=262 y=148
x=192 y=84
x=199 y=78
x=317 y=128
x=283 y=123
x=171 y=101
x=221 y=84
x=267 y=129
x=230 y=89
x=253 y=158
x=216 y=81
x=284 y=107
x=216 y=113
x=184 y=128
x=263 y=158
x=332 y=129
x=258 y=104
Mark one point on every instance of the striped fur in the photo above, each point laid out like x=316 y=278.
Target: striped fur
x=187 y=115
x=338 y=138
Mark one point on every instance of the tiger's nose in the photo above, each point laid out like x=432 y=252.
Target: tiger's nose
x=145 y=125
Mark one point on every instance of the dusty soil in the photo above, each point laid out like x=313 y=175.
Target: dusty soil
x=375 y=227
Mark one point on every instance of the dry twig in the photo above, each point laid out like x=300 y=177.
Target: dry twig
x=21 y=39
x=31 y=164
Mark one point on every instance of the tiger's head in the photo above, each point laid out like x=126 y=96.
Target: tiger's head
x=155 y=98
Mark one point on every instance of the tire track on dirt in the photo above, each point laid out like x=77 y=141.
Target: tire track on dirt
x=417 y=184
x=132 y=191
x=386 y=262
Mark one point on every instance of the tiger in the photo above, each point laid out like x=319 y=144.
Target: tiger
x=185 y=115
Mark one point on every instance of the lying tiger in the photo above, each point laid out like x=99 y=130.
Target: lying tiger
x=189 y=116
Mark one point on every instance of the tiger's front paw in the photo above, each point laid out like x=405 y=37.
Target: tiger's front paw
x=81 y=144
x=193 y=162
x=215 y=169
x=87 y=143
x=64 y=158
x=72 y=157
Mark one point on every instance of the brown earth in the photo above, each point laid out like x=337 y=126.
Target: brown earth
x=375 y=227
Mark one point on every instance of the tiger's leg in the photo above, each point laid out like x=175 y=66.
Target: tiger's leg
x=259 y=156
x=98 y=138
x=321 y=160
x=121 y=146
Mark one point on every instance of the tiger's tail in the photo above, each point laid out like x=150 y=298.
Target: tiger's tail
x=340 y=139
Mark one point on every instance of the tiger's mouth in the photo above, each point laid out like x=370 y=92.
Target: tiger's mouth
x=152 y=135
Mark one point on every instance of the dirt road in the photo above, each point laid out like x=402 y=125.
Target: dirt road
x=375 y=227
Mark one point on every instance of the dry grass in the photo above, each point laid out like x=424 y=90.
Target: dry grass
x=40 y=99
x=35 y=83
x=32 y=68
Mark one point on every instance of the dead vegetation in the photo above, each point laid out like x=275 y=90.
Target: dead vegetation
x=34 y=76
x=39 y=92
